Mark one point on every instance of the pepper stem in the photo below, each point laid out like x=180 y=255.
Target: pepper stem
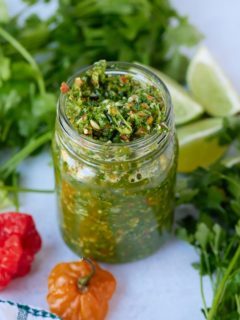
x=84 y=281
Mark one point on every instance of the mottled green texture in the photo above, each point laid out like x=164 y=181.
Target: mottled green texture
x=116 y=108
x=115 y=212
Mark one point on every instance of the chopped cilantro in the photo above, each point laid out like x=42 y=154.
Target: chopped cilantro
x=115 y=108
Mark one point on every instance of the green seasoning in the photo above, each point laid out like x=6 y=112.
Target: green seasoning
x=115 y=172
x=115 y=108
x=117 y=221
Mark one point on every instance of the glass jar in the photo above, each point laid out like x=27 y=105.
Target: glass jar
x=115 y=199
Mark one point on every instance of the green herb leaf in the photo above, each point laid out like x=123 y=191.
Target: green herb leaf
x=5 y=200
x=4 y=17
x=5 y=72
x=181 y=34
x=202 y=235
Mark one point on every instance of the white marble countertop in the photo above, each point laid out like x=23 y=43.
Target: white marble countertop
x=163 y=286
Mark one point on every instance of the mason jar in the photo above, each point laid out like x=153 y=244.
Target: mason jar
x=115 y=199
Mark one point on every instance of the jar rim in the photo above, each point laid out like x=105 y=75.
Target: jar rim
x=96 y=144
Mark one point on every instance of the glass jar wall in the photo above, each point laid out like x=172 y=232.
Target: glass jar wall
x=115 y=199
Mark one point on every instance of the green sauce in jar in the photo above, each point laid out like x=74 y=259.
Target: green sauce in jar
x=115 y=154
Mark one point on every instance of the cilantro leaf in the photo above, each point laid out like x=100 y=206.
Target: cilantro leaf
x=4 y=17
x=5 y=71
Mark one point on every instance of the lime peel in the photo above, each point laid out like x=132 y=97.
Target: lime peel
x=210 y=86
x=199 y=145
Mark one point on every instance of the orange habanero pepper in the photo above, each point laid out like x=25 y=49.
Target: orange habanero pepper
x=80 y=290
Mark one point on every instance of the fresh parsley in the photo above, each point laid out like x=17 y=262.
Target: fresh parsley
x=213 y=227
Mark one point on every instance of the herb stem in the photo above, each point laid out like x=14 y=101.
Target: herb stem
x=208 y=268
x=203 y=296
x=5 y=130
x=25 y=190
x=229 y=247
x=221 y=287
x=237 y=303
x=27 y=56
x=15 y=186
x=8 y=167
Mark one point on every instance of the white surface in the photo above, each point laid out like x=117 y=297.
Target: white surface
x=163 y=286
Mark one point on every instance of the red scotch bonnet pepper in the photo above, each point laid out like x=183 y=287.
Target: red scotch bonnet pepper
x=19 y=242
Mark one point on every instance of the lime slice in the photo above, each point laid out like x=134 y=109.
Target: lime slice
x=185 y=108
x=198 y=144
x=210 y=86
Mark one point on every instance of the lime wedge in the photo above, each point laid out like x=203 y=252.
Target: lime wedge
x=185 y=107
x=210 y=86
x=198 y=144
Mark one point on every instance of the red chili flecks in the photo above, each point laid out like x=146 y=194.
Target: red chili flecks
x=64 y=87
x=123 y=79
x=150 y=97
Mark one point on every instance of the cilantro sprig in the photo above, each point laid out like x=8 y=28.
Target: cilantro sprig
x=215 y=233
x=26 y=109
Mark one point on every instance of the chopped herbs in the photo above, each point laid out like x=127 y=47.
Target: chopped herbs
x=117 y=108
